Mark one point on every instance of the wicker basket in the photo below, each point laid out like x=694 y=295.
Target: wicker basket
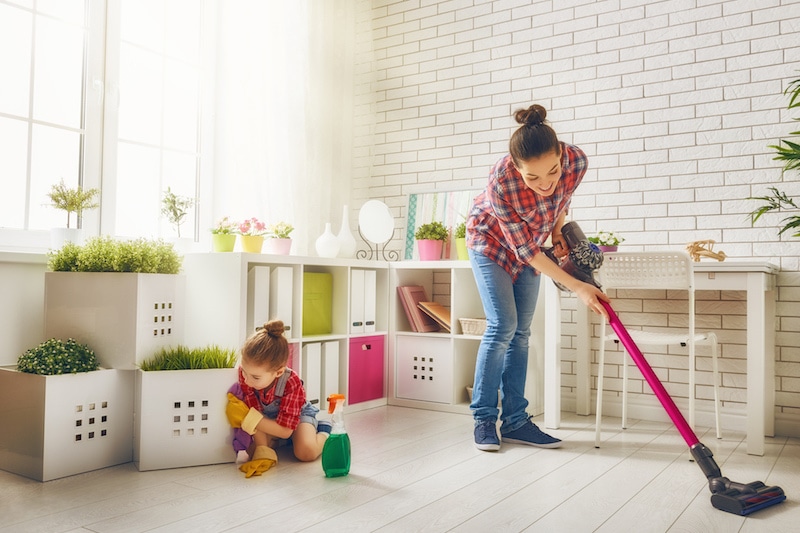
x=473 y=326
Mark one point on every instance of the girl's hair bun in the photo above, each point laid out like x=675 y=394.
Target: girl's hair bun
x=274 y=328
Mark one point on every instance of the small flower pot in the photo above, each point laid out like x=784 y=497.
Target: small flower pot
x=252 y=244
x=461 y=249
x=605 y=249
x=223 y=242
x=430 y=250
x=279 y=246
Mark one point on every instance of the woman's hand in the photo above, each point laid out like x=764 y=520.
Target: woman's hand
x=560 y=247
x=591 y=296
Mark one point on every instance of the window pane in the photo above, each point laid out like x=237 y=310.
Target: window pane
x=142 y=23
x=183 y=38
x=15 y=34
x=138 y=191
x=55 y=154
x=140 y=101
x=58 y=81
x=13 y=161
x=71 y=11
x=180 y=106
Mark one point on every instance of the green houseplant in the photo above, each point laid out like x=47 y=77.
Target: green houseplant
x=175 y=208
x=606 y=240
x=71 y=200
x=184 y=358
x=104 y=254
x=181 y=391
x=787 y=151
x=430 y=238
x=54 y=356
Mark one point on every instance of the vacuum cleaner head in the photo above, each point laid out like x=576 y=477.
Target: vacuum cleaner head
x=748 y=498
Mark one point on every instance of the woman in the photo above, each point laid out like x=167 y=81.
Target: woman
x=525 y=203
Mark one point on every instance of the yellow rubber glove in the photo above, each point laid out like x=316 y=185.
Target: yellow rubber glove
x=241 y=416
x=263 y=459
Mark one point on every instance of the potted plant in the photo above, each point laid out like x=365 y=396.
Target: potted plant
x=72 y=200
x=461 y=240
x=607 y=241
x=223 y=235
x=123 y=298
x=279 y=241
x=252 y=231
x=788 y=152
x=69 y=416
x=179 y=404
x=175 y=208
x=430 y=240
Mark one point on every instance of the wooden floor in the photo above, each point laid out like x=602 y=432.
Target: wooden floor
x=417 y=470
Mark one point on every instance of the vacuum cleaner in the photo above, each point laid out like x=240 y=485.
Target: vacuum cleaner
x=743 y=499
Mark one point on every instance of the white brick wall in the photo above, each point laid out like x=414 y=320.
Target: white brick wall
x=675 y=102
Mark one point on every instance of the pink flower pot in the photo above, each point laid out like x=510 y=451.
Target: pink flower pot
x=430 y=250
x=278 y=246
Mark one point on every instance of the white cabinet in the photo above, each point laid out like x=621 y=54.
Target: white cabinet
x=433 y=370
x=230 y=294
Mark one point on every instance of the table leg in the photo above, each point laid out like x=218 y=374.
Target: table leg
x=552 y=355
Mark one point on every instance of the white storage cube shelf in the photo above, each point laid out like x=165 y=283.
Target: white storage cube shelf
x=180 y=418
x=424 y=369
x=58 y=426
x=124 y=317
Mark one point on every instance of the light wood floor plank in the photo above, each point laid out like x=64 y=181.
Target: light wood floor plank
x=418 y=470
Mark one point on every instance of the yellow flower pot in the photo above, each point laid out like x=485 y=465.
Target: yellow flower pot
x=252 y=243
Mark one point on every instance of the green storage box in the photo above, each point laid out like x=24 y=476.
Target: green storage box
x=317 y=303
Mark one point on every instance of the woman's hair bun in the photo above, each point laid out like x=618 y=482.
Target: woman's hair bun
x=274 y=328
x=533 y=116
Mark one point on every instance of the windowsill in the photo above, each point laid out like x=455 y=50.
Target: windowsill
x=23 y=256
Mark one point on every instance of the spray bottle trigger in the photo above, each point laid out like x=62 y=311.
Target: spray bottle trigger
x=333 y=400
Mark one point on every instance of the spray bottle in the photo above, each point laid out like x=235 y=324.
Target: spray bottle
x=336 y=452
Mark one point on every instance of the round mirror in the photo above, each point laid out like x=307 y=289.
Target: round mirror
x=375 y=221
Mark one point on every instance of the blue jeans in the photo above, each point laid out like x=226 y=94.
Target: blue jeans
x=503 y=353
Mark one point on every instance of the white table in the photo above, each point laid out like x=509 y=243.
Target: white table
x=757 y=278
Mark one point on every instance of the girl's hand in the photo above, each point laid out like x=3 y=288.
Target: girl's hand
x=591 y=296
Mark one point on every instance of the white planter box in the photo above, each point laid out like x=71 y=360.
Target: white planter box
x=124 y=317
x=179 y=418
x=57 y=426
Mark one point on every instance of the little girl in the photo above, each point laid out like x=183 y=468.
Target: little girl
x=269 y=403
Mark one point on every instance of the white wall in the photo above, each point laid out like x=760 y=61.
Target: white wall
x=675 y=102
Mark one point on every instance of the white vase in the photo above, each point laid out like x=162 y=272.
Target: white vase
x=327 y=244
x=347 y=243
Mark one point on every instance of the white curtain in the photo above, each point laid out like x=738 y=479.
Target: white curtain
x=284 y=111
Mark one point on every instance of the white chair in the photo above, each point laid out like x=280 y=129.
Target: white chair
x=654 y=270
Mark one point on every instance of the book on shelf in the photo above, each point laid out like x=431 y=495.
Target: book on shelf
x=438 y=312
x=410 y=296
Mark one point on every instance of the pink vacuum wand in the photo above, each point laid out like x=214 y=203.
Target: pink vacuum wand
x=726 y=495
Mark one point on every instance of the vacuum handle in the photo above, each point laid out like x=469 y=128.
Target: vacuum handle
x=647 y=371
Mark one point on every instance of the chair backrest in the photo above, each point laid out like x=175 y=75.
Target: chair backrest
x=647 y=270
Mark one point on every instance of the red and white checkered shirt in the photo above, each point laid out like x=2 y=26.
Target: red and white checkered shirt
x=509 y=223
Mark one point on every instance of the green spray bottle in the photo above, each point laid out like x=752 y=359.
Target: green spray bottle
x=336 y=452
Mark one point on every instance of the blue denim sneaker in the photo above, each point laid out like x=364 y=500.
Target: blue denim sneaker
x=486 y=436
x=531 y=435
x=324 y=426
